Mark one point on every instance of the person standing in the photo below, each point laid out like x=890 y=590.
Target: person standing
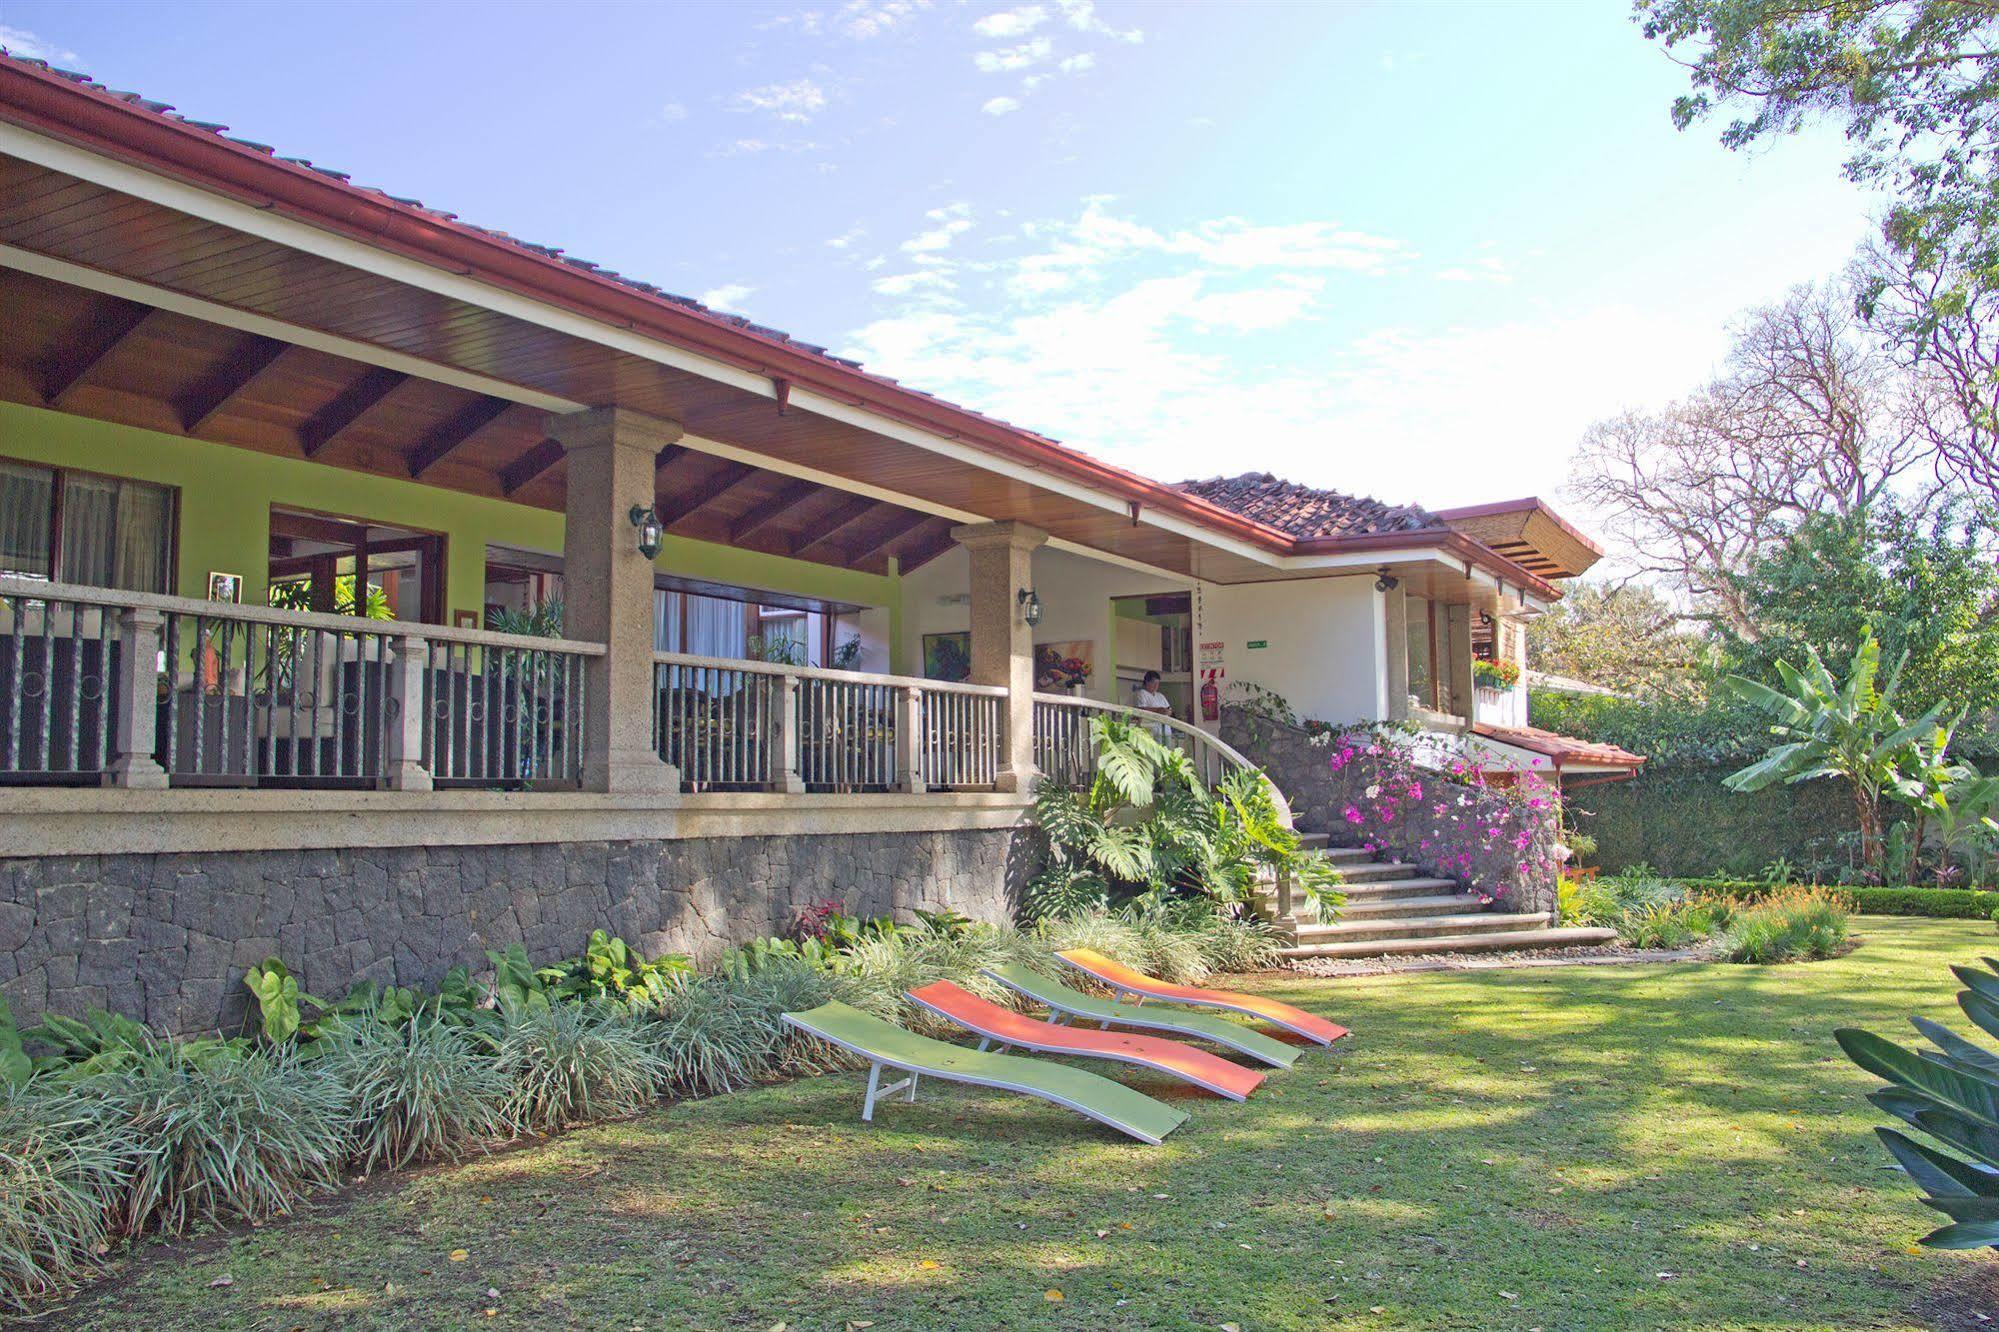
x=1147 y=697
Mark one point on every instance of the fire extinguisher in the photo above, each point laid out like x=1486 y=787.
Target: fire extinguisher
x=1211 y=699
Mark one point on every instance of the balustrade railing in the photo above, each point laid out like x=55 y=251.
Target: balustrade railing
x=144 y=690
x=1064 y=752
x=749 y=725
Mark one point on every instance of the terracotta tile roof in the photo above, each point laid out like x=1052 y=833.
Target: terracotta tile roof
x=1303 y=511
x=1563 y=749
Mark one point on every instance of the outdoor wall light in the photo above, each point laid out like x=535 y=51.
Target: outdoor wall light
x=1386 y=582
x=1030 y=606
x=650 y=532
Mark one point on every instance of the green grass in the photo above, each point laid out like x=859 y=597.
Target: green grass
x=1503 y=1149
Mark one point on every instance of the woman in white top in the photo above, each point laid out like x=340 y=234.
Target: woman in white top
x=1147 y=697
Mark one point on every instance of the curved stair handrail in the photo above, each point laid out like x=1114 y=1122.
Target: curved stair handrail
x=1063 y=751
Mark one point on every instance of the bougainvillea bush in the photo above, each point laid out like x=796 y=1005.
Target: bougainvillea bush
x=1496 y=833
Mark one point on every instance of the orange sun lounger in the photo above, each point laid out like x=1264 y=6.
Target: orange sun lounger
x=995 y=1025
x=1140 y=986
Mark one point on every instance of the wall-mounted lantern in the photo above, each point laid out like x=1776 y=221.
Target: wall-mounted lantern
x=1030 y=606
x=650 y=532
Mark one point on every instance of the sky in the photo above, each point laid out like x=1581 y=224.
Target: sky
x=1408 y=250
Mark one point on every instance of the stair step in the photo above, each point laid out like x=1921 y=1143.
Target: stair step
x=1318 y=841
x=1495 y=941
x=1473 y=922
x=1443 y=904
x=1384 y=889
x=1379 y=869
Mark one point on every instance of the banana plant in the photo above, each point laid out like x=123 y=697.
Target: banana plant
x=1845 y=729
x=1950 y=1095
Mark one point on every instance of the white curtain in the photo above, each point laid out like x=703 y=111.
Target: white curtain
x=714 y=627
x=26 y=497
x=114 y=533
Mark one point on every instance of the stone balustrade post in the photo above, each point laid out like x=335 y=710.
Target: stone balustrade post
x=402 y=723
x=138 y=691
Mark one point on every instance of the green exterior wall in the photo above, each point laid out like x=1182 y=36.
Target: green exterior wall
x=226 y=496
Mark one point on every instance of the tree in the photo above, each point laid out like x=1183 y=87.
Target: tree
x=1914 y=82
x=1809 y=415
x=1826 y=727
x=1928 y=591
x=1624 y=637
x=1944 y=331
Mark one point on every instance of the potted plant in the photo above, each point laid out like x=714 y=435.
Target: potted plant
x=1488 y=673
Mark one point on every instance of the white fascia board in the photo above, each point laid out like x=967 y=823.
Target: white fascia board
x=269 y=225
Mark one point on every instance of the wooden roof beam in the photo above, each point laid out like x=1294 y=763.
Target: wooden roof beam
x=669 y=455
x=691 y=501
x=900 y=528
x=838 y=521
x=227 y=380
x=441 y=439
x=938 y=543
x=530 y=465
x=88 y=352
x=347 y=407
x=772 y=509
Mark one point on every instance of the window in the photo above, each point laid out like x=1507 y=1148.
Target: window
x=1422 y=655
x=77 y=527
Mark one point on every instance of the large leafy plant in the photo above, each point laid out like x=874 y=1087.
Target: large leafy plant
x=1949 y=1095
x=1147 y=829
x=1845 y=729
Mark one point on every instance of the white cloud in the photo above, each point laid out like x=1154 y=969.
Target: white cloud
x=909 y=284
x=673 y=111
x=1255 y=309
x=846 y=238
x=1485 y=268
x=728 y=297
x=1000 y=106
x=863 y=19
x=951 y=221
x=1076 y=64
x=1009 y=58
x=1011 y=22
x=795 y=102
x=1082 y=15
x=33 y=46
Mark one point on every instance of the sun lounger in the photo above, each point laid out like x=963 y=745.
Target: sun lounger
x=1140 y=987
x=885 y=1045
x=1005 y=1028
x=1109 y=1013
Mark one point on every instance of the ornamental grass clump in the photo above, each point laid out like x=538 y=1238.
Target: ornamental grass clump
x=220 y=1133
x=786 y=985
x=570 y=1063
x=1791 y=924
x=62 y=1162
x=710 y=1035
x=418 y=1090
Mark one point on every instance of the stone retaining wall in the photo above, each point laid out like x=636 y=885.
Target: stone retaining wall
x=168 y=936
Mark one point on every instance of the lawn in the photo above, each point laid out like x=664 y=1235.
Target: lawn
x=1676 y=1146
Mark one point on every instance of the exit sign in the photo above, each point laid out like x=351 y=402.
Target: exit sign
x=1256 y=643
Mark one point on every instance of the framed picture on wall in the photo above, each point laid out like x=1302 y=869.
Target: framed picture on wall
x=1062 y=667
x=947 y=657
x=225 y=587
x=465 y=619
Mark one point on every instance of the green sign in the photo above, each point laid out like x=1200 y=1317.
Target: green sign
x=1256 y=643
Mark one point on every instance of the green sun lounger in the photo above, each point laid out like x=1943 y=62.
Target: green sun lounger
x=1109 y=1013
x=885 y=1045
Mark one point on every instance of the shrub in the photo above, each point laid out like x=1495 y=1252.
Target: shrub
x=1792 y=923
x=417 y=1089
x=880 y=971
x=61 y=1164
x=710 y=1035
x=787 y=986
x=575 y=1062
x=1666 y=925
x=1233 y=943
x=1939 y=903
x=220 y=1133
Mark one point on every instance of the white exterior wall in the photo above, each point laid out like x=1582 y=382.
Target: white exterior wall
x=1075 y=596
x=1326 y=642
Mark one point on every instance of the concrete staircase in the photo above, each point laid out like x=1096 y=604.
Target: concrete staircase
x=1394 y=908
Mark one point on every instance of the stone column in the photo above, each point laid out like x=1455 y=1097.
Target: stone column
x=1002 y=644
x=1464 y=697
x=1395 y=613
x=607 y=590
x=406 y=771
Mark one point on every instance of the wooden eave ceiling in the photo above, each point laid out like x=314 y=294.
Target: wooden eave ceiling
x=1531 y=539
x=100 y=356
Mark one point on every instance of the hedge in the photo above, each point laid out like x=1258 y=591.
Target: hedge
x=1683 y=823
x=1940 y=903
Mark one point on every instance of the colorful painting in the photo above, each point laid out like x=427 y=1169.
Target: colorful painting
x=1061 y=667
x=947 y=657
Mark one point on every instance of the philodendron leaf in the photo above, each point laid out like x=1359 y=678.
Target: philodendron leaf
x=1954 y=1130
x=1973 y=1096
x=1982 y=983
x=1973 y=1058
x=1939 y=1173
x=1982 y=1011
x=1964 y=1235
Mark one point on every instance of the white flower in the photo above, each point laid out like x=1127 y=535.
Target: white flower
x=1373 y=792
